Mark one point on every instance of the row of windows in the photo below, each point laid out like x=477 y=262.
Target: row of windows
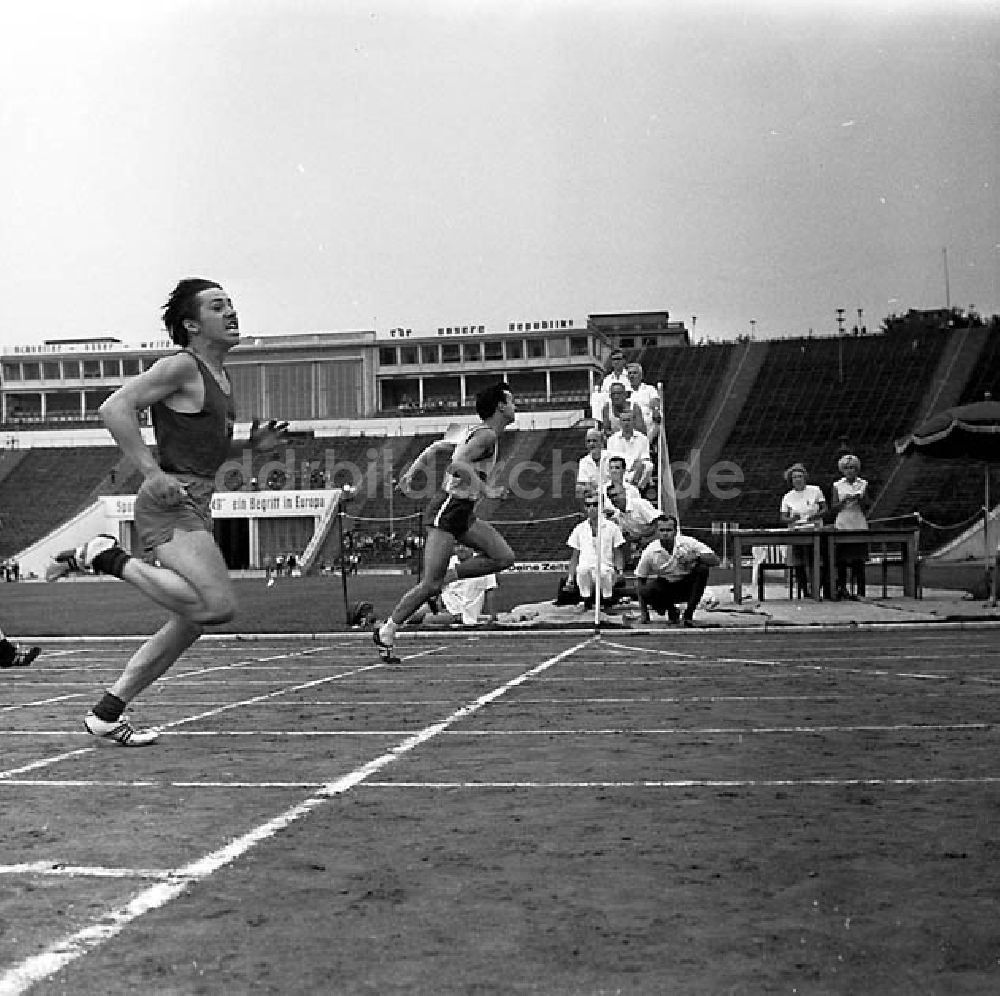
x=129 y=366
x=491 y=349
x=407 y=391
x=629 y=341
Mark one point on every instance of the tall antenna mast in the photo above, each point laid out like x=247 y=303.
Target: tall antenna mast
x=947 y=286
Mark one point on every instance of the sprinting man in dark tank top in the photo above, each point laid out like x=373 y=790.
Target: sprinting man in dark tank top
x=181 y=567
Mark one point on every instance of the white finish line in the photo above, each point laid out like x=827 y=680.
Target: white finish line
x=32 y=970
x=57 y=870
x=682 y=783
x=601 y=731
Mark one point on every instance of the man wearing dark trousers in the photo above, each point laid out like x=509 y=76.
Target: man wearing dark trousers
x=672 y=569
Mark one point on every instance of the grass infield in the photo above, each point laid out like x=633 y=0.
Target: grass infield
x=100 y=607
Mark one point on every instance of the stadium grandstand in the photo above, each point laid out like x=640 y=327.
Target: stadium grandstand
x=362 y=404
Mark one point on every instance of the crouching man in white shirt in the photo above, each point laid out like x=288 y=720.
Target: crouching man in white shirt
x=582 y=571
x=672 y=569
x=467 y=600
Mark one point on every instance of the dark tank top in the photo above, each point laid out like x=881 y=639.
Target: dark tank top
x=195 y=442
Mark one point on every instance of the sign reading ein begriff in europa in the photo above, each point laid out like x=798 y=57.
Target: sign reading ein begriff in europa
x=242 y=504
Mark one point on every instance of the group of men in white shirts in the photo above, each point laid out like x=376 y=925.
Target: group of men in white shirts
x=672 y=567
x=624 y=388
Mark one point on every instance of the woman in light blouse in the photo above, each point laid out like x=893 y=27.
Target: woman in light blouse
x=802 y=508
x=850 y=502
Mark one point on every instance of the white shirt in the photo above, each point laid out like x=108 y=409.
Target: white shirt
x=671 y=565
x=583 y=539
x=587 y=472
x=634 y=448
x=465 y=597
x=802 y=504
x=613 y=378
x=638 y=512
x=644 y=395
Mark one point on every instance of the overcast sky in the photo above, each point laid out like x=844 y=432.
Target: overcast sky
x=351 y=165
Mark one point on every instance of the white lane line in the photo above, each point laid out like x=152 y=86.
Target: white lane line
x=22 y=976
x=59 y=870
x=179 y=722
x=41 y=702
x=256 y=699
x=701 y=658
x=686 y=783
x=145 y=783
x=253 y=662
x=886 y=695
x=818 y=697
x=705 y=661
x=44 y=763
x=675 y=783
x=629 y=731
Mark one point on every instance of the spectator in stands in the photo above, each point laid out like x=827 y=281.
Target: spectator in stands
x=616 y=475
x=633 y=445
x=468 y=601
x=618 y=405
x=184 y=571
x=592 y=470
x=616 y=374
x=14 y=655
x=451 y=515
x=850 y=502
x=673 y=568
x=802 y=508
x=583 y=567
x=645 y=396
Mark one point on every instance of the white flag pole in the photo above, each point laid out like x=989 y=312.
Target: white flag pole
x=667 y=496
x=659 y=451
x=598 y=540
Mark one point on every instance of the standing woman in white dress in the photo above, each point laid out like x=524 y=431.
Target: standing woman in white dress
x=851 y=503
x=802 y=508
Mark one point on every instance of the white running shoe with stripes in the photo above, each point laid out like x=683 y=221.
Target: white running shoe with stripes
x=119 y=733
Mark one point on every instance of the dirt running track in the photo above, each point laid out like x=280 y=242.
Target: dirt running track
x=696 y=813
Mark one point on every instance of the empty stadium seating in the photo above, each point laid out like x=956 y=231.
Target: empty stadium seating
x=810 y=396
x=48 y=486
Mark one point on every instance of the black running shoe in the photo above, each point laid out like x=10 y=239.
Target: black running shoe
x=23 y=657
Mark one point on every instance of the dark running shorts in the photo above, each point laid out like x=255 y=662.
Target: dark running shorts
x=453 y=515
x=155 y=523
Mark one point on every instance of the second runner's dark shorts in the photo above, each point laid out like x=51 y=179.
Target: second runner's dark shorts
x=453 y=515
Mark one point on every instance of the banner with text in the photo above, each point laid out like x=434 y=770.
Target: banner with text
x=242 y=504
